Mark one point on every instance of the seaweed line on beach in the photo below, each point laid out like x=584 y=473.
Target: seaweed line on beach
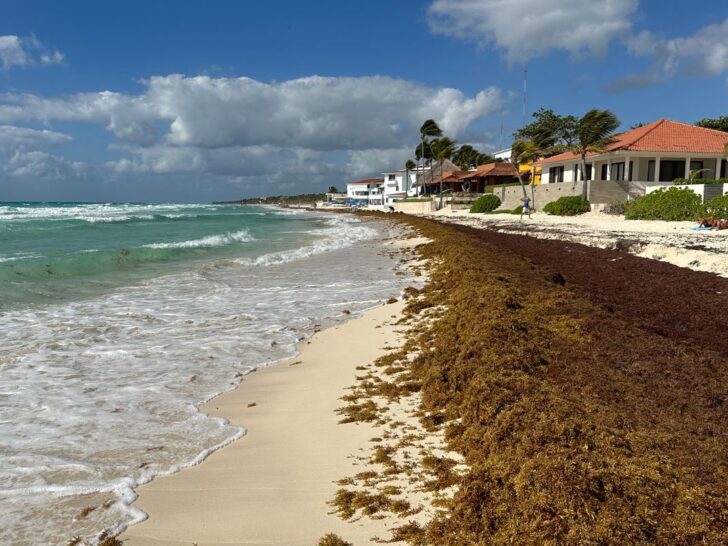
x=577 y=416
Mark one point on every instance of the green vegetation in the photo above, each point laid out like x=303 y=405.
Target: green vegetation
x=485 y=203
x=688 y=181
x=552 y=134
x=720 y=124
x=568 y=205
x=673 y=204
x=717 y=207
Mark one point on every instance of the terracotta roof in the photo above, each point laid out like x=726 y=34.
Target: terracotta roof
x=367 y=181
x=502 y=168
x=663 y=135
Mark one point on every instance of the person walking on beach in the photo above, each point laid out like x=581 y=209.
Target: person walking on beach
x=526 y=208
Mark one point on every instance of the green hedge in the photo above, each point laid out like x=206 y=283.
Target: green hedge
x=568 y=205
x=685 y=181
x=486 y=203
x=718 y=207
x=673 y=204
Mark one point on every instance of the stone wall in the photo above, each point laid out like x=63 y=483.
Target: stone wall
x=600 y=193
x=414 y=207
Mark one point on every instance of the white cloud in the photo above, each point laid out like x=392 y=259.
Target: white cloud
x=705 y=53
x=239 y=127
x=37 y=164
x=314 y=112
x=12 y=137
x=526 y=29
x=26 y=51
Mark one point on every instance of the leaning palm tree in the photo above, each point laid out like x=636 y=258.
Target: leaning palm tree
x=593 y=133
x=442 y=148
x=524 y=151
x=408 y=166
x=429 y=130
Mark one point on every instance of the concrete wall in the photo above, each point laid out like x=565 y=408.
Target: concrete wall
x=599 y=193
x=414 y=207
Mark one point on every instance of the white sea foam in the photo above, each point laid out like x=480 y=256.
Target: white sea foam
x=342 y=232
x=242 y=236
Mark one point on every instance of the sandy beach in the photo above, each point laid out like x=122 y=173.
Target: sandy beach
x=272 y=486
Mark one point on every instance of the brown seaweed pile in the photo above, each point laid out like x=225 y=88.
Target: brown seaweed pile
x=582 y=415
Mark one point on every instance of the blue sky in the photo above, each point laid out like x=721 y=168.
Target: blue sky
x=193 y=101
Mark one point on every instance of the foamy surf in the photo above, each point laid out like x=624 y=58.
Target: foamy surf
x=99 y=393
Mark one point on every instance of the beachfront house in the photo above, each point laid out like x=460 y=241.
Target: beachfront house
x=473 y=181
x=652 y=155
x=399 y=185
x=530 y=170
x=364 y=192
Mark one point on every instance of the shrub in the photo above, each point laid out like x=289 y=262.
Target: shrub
x=718 y=207
x=568 y=205
x=486 y=203
x=674 y=204
x=687 y=181
x=616 y=207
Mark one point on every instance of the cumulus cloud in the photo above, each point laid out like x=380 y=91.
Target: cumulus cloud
x=38 y=164
x=315 y=112
x=705 y=53
x=12 y=137
x=526 y=29
x=243 y=127
x=26 y=51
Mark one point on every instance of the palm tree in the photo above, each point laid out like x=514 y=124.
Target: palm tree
x=524 y=151
x=408 y=166
x=429 y=129
x=593 y=133
x=442 y=149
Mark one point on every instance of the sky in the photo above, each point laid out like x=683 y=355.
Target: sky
x=197 y=101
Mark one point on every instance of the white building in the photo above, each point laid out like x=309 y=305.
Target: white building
x=364 y=192
x=398 y=185
x=652 y=154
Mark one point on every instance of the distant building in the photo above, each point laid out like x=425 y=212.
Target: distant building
x=364 y=192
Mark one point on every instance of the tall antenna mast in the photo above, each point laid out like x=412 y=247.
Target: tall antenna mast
x=525 y=79
x=500 y=140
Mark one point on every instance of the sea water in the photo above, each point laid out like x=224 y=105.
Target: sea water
x=118 y=320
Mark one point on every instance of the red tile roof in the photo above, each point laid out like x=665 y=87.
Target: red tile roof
x=663 y=135
x=501 y=168
x=368 y=181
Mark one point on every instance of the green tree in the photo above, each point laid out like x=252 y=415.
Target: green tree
x=428 y=131
x=467 y=157
x=549 y=130
x=442 y=149
x=332 y=189
x=720 y=124
x=408 y=166
x=522 y=152
x=594 y=132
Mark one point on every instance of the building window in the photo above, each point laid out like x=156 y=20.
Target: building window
x=577 y=172
x=390 y=177
x=556 y=174
x=697 y=166
x=617 y=171
x=670 y=169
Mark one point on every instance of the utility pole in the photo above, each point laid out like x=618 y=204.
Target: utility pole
x=525 y=79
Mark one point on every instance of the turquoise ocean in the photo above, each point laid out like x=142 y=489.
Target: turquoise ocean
x=118 y=320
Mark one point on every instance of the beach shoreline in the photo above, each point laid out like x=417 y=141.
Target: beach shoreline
x=273 y=484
